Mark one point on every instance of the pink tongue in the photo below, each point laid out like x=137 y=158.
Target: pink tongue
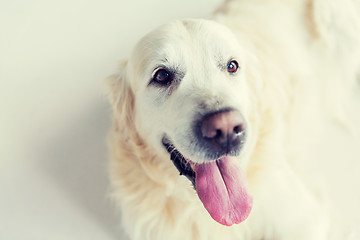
x=221 y=186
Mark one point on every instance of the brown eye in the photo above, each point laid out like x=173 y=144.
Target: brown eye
x=162 y=77
x=232 y=66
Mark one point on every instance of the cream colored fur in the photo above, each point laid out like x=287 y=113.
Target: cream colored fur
x=299 y=90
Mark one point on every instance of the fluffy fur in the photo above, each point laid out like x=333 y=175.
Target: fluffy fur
x=297 y=87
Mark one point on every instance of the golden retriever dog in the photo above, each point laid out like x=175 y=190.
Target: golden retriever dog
x=236 y=128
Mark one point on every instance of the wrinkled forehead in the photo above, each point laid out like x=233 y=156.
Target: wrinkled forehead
x=177 y=42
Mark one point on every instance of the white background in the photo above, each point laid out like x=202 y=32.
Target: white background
x=54 y=117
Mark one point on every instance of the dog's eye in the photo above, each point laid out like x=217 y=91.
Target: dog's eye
x=162 y=77
x=232 y=66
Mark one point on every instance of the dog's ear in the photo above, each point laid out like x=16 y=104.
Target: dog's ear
x=114 y=82
x=120 y=94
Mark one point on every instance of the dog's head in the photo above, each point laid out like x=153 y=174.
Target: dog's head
x=185 y=91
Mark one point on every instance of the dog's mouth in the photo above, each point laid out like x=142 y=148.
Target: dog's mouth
x=220 y=185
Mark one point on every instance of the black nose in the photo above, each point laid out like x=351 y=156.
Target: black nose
x=223 y=131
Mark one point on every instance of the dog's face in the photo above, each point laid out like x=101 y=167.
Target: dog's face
x=181 y=73
x=192 y=99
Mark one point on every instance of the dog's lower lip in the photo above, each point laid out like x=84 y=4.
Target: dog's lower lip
x=181 y=164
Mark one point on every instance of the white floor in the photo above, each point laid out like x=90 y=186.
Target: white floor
x=53 y=113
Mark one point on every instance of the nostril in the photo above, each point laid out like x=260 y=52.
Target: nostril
x=238 y=129
x=219 y=133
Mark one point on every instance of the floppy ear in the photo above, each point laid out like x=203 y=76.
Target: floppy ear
x=121 y=96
